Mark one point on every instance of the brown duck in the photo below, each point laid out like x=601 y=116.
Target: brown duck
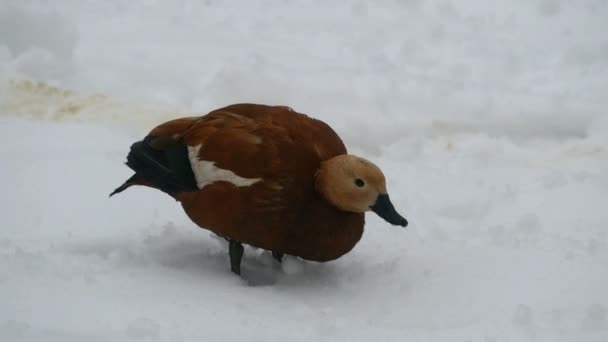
x=266 y=176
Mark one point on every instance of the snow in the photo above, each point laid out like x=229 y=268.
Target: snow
x=488 y=118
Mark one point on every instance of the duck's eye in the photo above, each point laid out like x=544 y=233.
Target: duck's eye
x=359 y=182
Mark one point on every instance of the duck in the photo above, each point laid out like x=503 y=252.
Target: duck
x=265 y=176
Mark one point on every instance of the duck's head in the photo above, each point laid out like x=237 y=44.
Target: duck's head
x=357 y=185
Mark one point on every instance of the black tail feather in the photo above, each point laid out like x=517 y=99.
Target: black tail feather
x=167 y=170
x=125 y=185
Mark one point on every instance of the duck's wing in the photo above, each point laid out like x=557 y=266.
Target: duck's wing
x=247 y=147
x=189 y=153
x=241 y=144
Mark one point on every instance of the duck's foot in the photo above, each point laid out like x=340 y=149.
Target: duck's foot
x=236 y=254
x=277 y=256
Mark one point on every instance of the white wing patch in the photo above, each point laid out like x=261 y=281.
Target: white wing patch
x=205 y=171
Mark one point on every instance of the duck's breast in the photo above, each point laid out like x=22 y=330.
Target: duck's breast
x=261 y=217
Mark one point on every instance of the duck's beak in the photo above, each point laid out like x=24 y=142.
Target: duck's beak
x=385 y=209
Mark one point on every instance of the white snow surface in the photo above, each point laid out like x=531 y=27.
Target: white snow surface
x=488 y=118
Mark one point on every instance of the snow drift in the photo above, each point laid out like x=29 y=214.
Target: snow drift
x=488 y=119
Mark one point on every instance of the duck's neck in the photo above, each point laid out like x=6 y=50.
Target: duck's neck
x=325 y=183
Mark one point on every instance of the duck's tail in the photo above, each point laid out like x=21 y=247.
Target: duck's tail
x=166 y=169
x=134 y=180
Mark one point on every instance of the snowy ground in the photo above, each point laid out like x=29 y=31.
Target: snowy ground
x=489 y=120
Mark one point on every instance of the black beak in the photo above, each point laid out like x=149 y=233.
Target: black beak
x=384 y=208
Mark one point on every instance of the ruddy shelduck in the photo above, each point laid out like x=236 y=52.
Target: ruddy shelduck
x=266 y=176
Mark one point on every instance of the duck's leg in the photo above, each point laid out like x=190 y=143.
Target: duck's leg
x=236 y=254
x=278 y=256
